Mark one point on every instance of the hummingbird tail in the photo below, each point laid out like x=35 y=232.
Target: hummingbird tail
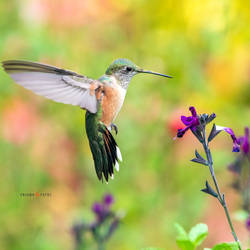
x=105 y=151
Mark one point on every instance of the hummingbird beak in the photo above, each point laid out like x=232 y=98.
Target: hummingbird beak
x=152 y=73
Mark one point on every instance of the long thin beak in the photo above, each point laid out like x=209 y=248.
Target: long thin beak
x=153 y=73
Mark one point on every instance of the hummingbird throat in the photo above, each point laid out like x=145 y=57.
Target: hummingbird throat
x=124 y=79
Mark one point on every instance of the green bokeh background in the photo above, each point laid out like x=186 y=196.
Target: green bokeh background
x=43 y=146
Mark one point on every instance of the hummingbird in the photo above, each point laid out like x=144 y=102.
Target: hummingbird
x=102 y=99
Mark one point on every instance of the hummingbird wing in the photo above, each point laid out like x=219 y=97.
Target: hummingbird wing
x=57 y=84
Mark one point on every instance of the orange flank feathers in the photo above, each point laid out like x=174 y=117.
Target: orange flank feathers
x=111 y=104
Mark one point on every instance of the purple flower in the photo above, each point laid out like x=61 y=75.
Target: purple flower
x=236 y=145
x=108 y=199
x=102 y=209
x=248 y=223
x=244 y=141
x=98 y=208
x=191 y=122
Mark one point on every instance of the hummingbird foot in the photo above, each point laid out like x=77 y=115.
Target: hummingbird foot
x=113 y=126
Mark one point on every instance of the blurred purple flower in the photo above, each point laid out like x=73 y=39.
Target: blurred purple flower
x=240 y=166
x=98 y=208
x=236 y=145
x=105 y=223
x=102 y=210
x=108 y=199
x=191 y=122
x=248 y=223
x=244 y=141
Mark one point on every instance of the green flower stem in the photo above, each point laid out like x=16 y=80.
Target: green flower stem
x=221 y=198
x=101 y=246
x=99 y=240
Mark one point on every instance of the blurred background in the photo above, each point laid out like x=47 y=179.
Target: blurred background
x=204 y=45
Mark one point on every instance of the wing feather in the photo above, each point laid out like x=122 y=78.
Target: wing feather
x=57 y=84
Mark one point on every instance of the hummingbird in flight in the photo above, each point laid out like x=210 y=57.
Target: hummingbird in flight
x=102 y=99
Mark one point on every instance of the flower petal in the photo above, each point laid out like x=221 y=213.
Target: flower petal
x=193 y=111
x=181 y=132
x=108 y=199
x=187 y=120
x=97 y=208
x=236 y=145
x=191 y=122
x=245 y=143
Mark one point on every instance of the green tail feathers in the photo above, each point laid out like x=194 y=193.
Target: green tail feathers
x=103 y=146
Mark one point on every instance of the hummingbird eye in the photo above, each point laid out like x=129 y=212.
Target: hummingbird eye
x=128 y=69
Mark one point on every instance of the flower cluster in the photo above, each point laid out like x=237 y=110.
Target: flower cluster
x=104 y=225
x=102 y=209
x=241 y=168
x=196 y=123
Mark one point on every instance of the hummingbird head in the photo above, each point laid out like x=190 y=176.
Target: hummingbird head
x=123 y=70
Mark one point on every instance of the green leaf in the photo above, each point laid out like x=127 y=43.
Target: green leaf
x=185 y=244
x=198 y=233
x=181 y=231
x=226 y=246
x=182 y=238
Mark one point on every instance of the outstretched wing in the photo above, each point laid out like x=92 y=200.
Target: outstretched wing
x=54 y=83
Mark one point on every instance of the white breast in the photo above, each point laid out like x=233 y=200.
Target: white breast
x=122 y=93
